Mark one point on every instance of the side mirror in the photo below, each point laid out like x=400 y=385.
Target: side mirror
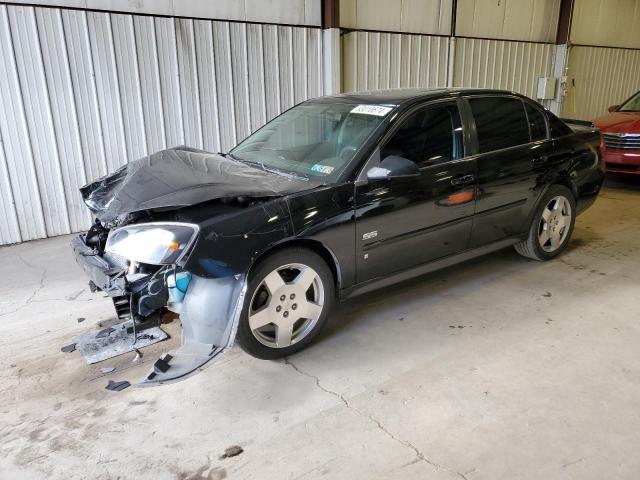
x=613 y=108
x=393 y=167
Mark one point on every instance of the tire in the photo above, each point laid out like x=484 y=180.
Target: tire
x=559 y=206
x=272 y=324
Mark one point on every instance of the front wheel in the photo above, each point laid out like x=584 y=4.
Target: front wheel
x=288 y=299
x=552 y=225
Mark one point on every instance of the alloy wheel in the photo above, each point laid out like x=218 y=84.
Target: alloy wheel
x=286 y=305
x=555 y=224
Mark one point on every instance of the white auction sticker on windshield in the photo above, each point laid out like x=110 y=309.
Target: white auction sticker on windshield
x=326 y=169
x=377 y=110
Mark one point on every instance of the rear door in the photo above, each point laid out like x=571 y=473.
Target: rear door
x=404 y=222
x=509 y=164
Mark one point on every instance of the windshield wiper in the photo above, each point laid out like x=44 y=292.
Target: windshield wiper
x=270 y=170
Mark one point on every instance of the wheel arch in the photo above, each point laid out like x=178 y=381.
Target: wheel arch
x=562 y=181
x=315 y=246
x=566 y=182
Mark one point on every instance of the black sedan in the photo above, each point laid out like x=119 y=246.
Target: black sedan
x=335 y=197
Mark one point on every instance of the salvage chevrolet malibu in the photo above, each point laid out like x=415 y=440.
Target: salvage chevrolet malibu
x=335 y=197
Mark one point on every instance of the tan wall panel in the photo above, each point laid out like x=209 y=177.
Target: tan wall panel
x=598 y=78
x=414 y=16
x=533 y=21
x=610 y=23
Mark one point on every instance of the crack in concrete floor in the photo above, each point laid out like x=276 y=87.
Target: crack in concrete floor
x=420 y=457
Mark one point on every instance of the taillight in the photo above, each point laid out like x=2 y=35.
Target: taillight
x=602 y=142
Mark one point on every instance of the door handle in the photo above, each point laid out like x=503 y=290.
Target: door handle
x=463 y=180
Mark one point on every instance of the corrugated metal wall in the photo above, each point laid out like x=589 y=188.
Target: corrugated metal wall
x=602 y=77
x=502 y=64
x=374 y=60
x=81 y=93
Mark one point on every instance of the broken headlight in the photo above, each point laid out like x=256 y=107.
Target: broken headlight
x=154 y=243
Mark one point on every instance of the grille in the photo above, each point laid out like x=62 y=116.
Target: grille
x=630 y=141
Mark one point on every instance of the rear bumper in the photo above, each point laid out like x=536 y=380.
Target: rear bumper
x=618 y=161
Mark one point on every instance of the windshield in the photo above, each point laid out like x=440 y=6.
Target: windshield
x=315 y=141
x=633 y=105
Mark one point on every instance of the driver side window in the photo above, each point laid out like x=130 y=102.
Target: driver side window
x=430 y=136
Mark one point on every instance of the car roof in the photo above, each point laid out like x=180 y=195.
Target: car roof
x=401 y=96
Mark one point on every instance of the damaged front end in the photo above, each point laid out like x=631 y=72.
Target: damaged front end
x=209 y=309
x=177 y=230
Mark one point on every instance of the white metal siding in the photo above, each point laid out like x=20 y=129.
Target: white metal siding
x=82 y=92
x=602 y=77
x=374 y=60
x=513 y=66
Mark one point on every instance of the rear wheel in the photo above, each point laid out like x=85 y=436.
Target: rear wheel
x=552 y=225
x=288 y=299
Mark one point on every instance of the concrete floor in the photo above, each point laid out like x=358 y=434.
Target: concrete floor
x=498 y=368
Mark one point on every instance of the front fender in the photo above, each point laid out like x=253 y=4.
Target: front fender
x=228 y=245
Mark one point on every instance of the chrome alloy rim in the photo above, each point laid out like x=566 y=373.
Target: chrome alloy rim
x=286 y=305
x=554 y=224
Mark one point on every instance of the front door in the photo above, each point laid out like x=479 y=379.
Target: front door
x=407 y=221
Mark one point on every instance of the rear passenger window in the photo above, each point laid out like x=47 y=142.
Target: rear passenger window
x=537 y=125
x=500 y=122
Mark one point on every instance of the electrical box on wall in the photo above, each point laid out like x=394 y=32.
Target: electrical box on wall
x=546 y=88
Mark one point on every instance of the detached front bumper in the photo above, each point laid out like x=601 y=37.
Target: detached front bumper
x=209 y=310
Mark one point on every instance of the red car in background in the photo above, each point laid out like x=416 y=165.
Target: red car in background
x=621 y=134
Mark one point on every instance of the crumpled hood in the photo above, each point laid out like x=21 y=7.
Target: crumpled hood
x=180 y=177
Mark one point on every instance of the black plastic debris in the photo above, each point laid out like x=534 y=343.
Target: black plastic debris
x=117 y=386
x=232 y=451
x=69 y=348
x=105 y=333
x=138 y=355
x=81 y=319
x=162 y=364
